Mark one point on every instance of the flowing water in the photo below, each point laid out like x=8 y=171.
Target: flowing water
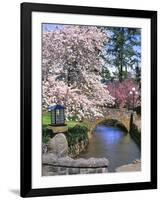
x=114 y=144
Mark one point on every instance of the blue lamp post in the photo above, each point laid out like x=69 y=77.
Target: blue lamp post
x=57 y=114
x=57 y=118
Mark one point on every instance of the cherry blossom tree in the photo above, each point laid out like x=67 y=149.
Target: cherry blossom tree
x=72 y=51
x=71 y=70
x=121 y=92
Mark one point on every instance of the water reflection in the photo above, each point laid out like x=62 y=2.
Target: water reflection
x=112 y=136
x=114 y=144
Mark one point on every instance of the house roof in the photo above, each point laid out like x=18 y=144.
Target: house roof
x=57 y=106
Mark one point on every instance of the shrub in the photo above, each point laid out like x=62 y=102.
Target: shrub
x=77 y=138
x=77 y=134
x=46 y=135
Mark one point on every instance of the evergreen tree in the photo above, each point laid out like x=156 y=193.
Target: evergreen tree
x=138 y=75
x=105 y=74
x=123 y=49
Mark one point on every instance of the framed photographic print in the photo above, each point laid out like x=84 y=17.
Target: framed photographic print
x=88 y=99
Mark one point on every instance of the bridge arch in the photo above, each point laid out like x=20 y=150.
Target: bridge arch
x=116 y=117
x=114 y=123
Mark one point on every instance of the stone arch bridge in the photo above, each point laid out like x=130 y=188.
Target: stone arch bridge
x=122 y=117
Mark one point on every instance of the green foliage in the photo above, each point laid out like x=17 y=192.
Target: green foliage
x=105 y=74
x=71 y=123
x=138 y=75
x=77 y=131
x=46 y=134
x=77 y=134
x=123 y=50
x=46 y=118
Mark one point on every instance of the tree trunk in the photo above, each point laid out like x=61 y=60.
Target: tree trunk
x=121 y=55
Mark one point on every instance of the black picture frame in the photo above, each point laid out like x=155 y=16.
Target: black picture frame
x=26 y=102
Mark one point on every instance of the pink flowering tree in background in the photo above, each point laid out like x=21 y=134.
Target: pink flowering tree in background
x=121 y=92
x=71 y=70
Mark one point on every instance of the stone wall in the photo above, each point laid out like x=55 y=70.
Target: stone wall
x=52 y=165
x=134 y=166
x=135 y=129
x=55 y=160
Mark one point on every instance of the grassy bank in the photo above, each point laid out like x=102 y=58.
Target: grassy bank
x=47 y=120
x=77 y=136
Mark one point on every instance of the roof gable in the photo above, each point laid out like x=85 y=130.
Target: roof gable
x=55 y=107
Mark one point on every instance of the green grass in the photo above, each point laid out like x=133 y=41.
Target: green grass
x=77 y=131
x=71 y=124
x=46 y=120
